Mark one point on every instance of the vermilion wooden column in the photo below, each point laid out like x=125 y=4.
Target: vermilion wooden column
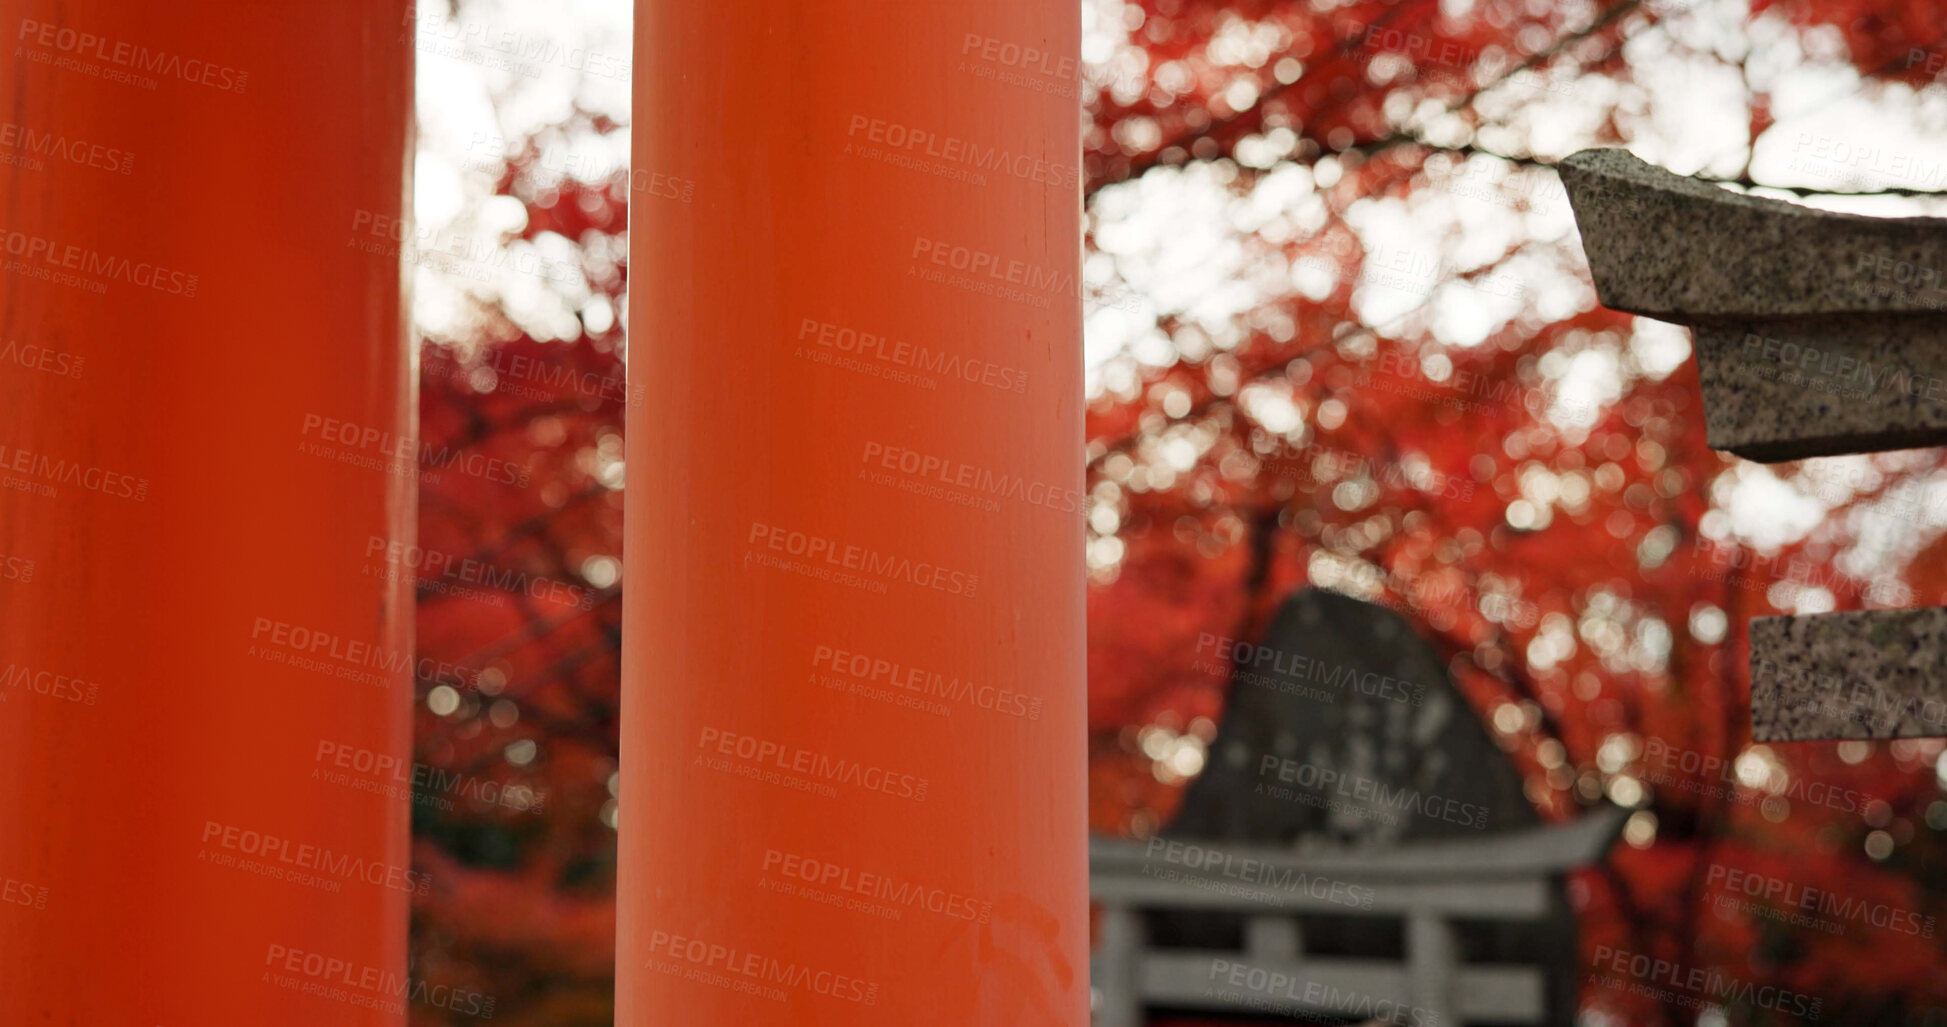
x=206 y=415
x=852 y=743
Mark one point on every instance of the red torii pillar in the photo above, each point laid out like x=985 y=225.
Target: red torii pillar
x=852 y=742
x=206 y=421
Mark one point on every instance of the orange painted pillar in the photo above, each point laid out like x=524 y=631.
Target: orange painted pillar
x=206 y=433
x=852 y=734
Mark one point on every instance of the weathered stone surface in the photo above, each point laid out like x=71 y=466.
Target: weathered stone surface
x=1341 y=708
x=1343 y=729
x=1789 y=389
x=1861 y=674
x=1817 y=333
x=1678 y=249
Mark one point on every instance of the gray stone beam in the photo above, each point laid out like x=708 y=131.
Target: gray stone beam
x=1817 y=333
x=1861 y=674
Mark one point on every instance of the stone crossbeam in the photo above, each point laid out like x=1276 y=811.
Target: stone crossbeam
x=1817 y=334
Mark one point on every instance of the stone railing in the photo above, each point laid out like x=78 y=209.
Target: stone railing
x=1424 y=887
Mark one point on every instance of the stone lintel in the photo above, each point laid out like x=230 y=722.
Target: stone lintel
x=1817 y=333
x=1867 y=674
x=1793 y=388
x=1678 y=249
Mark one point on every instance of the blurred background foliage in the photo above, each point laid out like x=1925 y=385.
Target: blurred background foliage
x=1341 y=335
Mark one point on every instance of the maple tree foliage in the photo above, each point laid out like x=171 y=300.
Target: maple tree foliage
x=1566 y=547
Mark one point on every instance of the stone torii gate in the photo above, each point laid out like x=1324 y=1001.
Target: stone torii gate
x=1817 y=334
